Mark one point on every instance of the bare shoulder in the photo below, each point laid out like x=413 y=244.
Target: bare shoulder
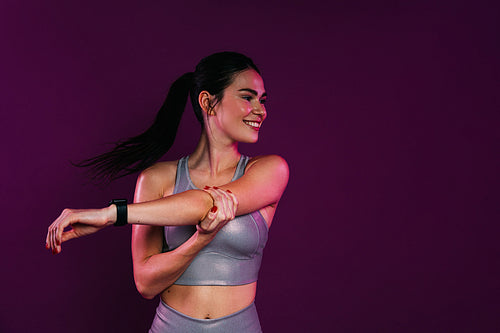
x=272 y=168
x=156 y=181
x=269 y=163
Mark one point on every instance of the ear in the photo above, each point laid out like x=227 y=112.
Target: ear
x=205 y=101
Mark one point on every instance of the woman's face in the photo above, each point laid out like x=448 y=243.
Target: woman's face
x=241 y=111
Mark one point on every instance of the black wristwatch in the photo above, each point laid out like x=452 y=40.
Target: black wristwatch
x=121 y=211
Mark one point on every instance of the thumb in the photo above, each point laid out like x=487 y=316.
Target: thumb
x=67 y=235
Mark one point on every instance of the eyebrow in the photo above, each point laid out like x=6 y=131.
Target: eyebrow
x=253 y=92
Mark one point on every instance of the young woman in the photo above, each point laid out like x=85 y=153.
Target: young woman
x=187 y=244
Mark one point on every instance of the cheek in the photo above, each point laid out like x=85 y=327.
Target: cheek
x=242 y=106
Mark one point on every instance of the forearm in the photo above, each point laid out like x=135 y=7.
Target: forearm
x=158 y=272
x=186 y=208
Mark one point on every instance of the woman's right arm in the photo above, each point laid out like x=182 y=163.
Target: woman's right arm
x=155 y=271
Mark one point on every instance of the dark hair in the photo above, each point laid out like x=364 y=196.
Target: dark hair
x=213 y=74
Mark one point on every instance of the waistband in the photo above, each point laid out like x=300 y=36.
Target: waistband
x=168 y=319
x=165 y=309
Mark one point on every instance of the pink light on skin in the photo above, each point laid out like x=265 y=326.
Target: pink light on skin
x=242 y=105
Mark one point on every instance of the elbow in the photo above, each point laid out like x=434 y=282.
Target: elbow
x=145 y=287
x=149 y=286
x=145 y=292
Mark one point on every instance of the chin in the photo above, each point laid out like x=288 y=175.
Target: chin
x=254 y=139
x=249 y=140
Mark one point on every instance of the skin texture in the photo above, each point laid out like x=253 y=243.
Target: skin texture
x=235 y=118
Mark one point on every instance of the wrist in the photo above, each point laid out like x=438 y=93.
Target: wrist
x=110 y=213
x=204 y=238
x=121 y=211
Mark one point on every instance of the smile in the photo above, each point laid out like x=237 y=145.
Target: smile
x=253 y=124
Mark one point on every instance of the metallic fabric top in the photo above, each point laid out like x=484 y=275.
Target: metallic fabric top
x=233 y=257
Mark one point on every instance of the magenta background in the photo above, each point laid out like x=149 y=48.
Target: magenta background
x=387 y=113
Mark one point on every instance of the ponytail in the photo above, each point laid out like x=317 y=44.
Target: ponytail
x=141 y=151
x=213 y=74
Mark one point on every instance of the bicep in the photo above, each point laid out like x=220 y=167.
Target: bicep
x=262 y=185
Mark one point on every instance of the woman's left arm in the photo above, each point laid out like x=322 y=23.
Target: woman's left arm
x=262 y=185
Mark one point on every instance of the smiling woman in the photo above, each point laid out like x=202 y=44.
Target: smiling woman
x=200 y=224
x=242 y=107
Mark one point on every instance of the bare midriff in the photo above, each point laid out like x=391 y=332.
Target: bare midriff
x=209 y=302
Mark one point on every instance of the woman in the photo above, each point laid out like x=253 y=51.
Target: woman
x=206 y=272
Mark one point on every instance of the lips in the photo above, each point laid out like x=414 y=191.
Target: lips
x=253 y=124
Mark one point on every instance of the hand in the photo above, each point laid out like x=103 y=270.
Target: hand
x=223 y=211
x=82 y=222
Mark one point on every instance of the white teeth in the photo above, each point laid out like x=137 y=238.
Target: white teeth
x=252 y=123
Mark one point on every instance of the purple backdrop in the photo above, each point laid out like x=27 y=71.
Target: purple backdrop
x=387 y=112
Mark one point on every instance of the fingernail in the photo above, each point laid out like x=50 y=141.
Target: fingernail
x=228 y=191
x=206 y=187
x=54 y=251
x=214 y=209
x=216 y=188
x=46 y=246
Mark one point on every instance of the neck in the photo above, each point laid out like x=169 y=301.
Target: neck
x=214 y=155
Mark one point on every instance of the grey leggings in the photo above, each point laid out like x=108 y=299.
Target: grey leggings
x=169 y=320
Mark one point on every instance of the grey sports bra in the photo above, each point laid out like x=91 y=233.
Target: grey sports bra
x=233 y=257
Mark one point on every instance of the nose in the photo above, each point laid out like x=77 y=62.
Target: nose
x=259 y=109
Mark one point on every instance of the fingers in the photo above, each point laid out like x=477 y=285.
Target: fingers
x=52 y=242
x=55 y=232
x=223 y=200
x=82 y=221
x=223 y=205
x=231 y=203
x=67 y=235
x=234 y=202
x=223 y=211
x=207 y=225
